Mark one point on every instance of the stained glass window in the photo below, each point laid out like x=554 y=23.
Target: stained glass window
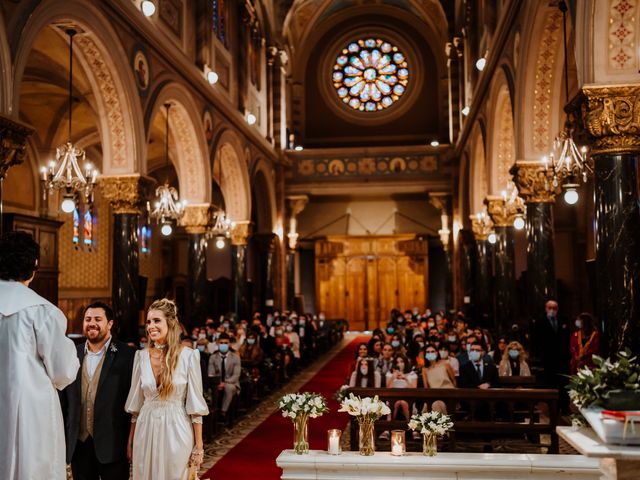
x=220 y=20
x=87 y=237
x=76 y=226
x=145 y=239
x=370 y=74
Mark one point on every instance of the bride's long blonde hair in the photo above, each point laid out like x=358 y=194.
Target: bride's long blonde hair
x=170 y=311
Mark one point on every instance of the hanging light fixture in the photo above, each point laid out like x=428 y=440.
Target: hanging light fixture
x=222 y=225
x=514 y=205
x=64 y=173
x=568 y=163
x=167 y=206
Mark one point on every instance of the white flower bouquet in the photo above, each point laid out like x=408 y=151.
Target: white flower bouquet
x=366 y=410
x=299 y=407
x=341 y=393
x=431 y=425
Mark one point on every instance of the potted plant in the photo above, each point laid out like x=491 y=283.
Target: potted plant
x=612 y=387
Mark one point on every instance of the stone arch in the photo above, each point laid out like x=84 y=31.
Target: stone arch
x=264 y=186
x=232 y=175
x=502 y=154
x=191 y=159
x=478 y=180
x=538 y=117
x=105 y=62
x=5 y=69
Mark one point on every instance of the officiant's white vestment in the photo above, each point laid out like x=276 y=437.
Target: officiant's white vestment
x=36 y=358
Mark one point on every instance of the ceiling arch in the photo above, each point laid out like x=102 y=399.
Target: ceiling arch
x=231 y=174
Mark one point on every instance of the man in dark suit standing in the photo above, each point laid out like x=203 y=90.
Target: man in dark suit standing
x=96 y=424
x=478 y=372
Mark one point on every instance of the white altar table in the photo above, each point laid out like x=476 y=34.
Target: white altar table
x=319 y=465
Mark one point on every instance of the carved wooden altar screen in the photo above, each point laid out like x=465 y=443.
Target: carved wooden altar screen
x=363 y=278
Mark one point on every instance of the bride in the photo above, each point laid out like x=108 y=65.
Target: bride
x=165 y=401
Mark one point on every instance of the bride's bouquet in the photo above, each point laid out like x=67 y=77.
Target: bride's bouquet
x=431 y=425
x=366 y=410
x=299 y=407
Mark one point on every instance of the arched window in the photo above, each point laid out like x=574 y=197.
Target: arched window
x=220 y=20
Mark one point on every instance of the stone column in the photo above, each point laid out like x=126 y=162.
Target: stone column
x=195 y=220
x=296 y=204
x=611 y=115
x=267 y=243
x=239 y=241
x=13 y=147
x=126 y=195
x=443 y=204
x=503 y=214
x=481 y=226
x=534 y=184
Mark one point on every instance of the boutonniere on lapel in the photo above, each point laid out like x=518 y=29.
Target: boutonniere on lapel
x=113 y=348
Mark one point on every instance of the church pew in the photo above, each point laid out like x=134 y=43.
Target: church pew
x=504 y=411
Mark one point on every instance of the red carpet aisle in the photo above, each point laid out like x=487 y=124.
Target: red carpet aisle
x=255 y=456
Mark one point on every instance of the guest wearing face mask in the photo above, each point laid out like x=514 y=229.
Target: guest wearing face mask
x=283 y=355
x=398 y=345
x=365 y=375
x=478 y=372
x=390 y=330
x=444 y=352
x=225 y=366
x=437 y=373
x=514 y=361
x=385 y=361
x=550 y=343
x=585 y=343
x=415 y=352
x=294 y=339
x=250 y=352
x=498 y=354
x=142 y=343
x=401 y=376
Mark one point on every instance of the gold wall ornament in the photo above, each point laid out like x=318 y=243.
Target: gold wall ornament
x=126 y=193
x=502 y=212
x=196 y=218
x=611 y=115
x=240 y=233
x=13 y=143
x=481 y=226
x=534 y=182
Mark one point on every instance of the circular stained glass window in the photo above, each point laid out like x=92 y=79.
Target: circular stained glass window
x=370 y=75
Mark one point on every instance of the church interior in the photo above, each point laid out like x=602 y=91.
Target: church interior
x=343 y=161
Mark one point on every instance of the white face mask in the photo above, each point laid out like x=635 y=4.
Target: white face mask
x=364 y=370
x=443 y=354
x=578 y=323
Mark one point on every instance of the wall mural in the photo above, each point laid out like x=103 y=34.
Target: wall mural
x=141 y=69
x=406 y=165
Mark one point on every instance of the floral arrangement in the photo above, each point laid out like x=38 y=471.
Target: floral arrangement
x=308 y=404
x=365 y=409
x=431 y=423
x=341 y=393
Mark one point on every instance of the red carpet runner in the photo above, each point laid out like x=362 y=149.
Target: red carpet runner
x=255 y=456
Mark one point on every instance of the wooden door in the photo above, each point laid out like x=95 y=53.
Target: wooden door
x=411 y=283
x=356 y=292
x=331 y=287
x=387 y=289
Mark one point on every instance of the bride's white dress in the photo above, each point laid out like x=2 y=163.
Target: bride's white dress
x=163 y=438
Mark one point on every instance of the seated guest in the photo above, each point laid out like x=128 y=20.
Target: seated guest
x=362 y=353
x=478 y=372
x=584 y=343
x=250 y=352
x=267 y=342
x=294 y=338
x=365 y=376
x=514 y=361
x=224 y=366
x=444 y=352
x=401 y=376
x=283 y=355
x=437 y=373
x=385 y=362
x=397 y=344
x=376 y=348
x=498 y=354
x=463 y=357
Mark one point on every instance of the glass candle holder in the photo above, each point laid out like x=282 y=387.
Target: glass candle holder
x=333 y=441
x=398 y=444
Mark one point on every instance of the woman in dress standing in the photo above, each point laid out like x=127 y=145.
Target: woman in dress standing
x=165 y=401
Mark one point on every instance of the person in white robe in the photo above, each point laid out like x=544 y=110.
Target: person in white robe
x=36 y=358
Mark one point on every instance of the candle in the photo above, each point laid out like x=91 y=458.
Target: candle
x=333 y=437
x=396 y=449
x=397 y=442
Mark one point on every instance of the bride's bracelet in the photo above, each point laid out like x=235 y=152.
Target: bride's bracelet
x=197 y=451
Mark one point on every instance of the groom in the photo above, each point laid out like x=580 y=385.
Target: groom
x=96 y=424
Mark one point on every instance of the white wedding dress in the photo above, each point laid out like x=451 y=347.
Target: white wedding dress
x=163 y=438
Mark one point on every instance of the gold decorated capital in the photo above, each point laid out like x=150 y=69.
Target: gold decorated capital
x=502 y=213
x=126 y=193
x=240 y=233
x=196 y=218
x=13 y=143
x=611 y=116
x=481 y=227
x=534 y=182
x=297 y=204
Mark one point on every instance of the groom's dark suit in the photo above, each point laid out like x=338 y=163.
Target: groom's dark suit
x=104 y=452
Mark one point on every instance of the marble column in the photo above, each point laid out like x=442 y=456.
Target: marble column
x=466 y=260
x=296 y=204
x=443 y=204
x=291 y=278
x=611 y=115
x=267 y=243
x=196 y=219
x=13 y=147
x=481 y=226
x=126 y=195
x=502 y=215
x=534 y=183
x=239 y=241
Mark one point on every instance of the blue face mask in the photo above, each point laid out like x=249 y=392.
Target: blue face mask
x=390 y=329
x=201 y=348
x=251 y=341
x=514 y=353
x=224 y=347
x=474 y=355
x=395 y=343
x=431 y=356
x=143 y=345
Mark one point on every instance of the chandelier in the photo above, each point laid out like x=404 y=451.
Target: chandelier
x=483 y=226
x=514 y=205
x=167 y=207
x=568 y=163
x=64 y=173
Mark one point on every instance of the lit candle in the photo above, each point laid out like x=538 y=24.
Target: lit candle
x=333 y=436
x=397 y=442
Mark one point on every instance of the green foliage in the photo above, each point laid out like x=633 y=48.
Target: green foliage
x=592 y=388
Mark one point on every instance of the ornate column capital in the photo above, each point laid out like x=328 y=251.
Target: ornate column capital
x=13 y=143
x=240 y=233
x=611 y=116
x=534 y=182
x=126 y=193
x=502 y=214
x=297 y=204
x=480 y=227
x=196 y=218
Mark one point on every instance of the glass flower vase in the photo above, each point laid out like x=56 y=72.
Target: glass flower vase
x=429 y=444
x=301 y=434
x=366 y=437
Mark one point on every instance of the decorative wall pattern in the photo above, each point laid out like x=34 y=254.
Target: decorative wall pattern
x=505 y=148
x=545 y=70
x=190 y=160
x=622 y=32
x=380 y=166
